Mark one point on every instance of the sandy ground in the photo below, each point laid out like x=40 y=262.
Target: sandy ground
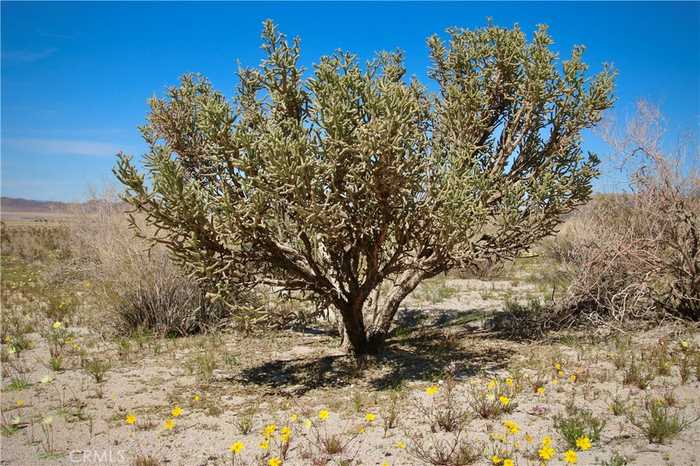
x=288 y=378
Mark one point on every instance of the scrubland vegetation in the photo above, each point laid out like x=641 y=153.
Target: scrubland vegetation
x=582 y=348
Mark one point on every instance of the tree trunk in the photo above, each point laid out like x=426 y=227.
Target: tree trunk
x=361 y=340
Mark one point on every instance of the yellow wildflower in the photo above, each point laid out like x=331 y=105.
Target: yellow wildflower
x=57 y=325
x=19 y=403
x=361 y=429
x=293 y=418
x=509 y=382
x=369 y=417
x=570 y=456
x=169 y=424
x=285 y=434
x=196 y=397
x=546 y=453
x=265 y=444
x=540 y=390
x=432 y=390
x=236 y=447
x=557 y=366
x=323 y=414
x=572 y=378
x=176 y=411
x=495 y=459
x=274 y=461
x=547 y=441
x=504 y=400
x=583 y=443
x=400 y=444
x=512 y=426
x=528 y=438
x=269 y=430
x=131 y=419
x=492 y=384
x=684 y=344
x=307 y=423
x=508 y=462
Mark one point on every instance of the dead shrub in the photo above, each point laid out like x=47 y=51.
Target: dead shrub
x=141 y=287
x=636 y=255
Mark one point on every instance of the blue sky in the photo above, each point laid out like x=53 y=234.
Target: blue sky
x=76 y=76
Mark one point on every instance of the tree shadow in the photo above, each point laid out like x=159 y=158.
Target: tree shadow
x=422 y=353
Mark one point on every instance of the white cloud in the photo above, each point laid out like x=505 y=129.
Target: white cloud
x=28 y=56
x=61 y=147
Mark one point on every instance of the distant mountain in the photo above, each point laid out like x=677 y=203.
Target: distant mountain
x=13 y=204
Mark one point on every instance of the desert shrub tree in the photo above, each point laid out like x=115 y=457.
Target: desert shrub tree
x=335 y=181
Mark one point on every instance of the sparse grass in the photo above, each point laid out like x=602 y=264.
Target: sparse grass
x=618 y=406
x=455 y=451
x=615 y=460
x=638 y=372
x=204 y=364
x=659 y=422
x=442 y=411
x=490 y=399
x=97 y=368
x=245 y=420
x=577 y=423
x=145 y=460
x=19 y=383
x=434 y=291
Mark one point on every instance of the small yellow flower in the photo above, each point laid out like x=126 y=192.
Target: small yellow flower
x=196 y=397
x=570 y=456
x=176 y=411
x=274 y=461
x=512 y=426
x=400 y=444
x=546 y=453
x=572 y=378
x=684 y=344
x=323 y=414
x=236 y=447
x=57 y=325
x=264 y=445
x=583 y=443
x=432 y=390
x=131 y=419
x=560 y=373
x=509 y=382
x=540 y=390
x=307 y=423
x=492 y=384
x=369 y=417
x=504 y=400
x=285 y=434
x=508 y=462
x=495 y=459
x=269 y=430
x=169 y=424
x=386 y=463
x=547 y=441
x=19 y=403
x=528 y=438
x=557 y=366
x=555 y=381
x=361 y=429
x=293 y=418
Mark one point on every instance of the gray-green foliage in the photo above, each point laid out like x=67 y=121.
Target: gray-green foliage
x=335 y=181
